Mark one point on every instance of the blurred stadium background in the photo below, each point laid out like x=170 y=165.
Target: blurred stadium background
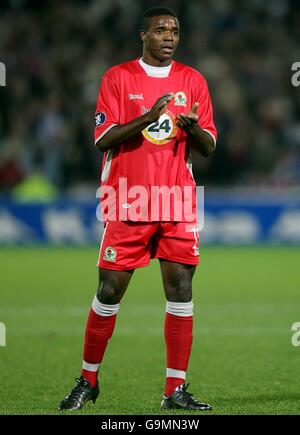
x=55 y=54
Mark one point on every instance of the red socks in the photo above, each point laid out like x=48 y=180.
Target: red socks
x=178 y=337
x=100 y=326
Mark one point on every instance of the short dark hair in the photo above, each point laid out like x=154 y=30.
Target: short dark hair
x=155 y=12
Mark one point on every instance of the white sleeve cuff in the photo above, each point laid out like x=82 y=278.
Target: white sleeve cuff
x=104 y=133
x=215 y=140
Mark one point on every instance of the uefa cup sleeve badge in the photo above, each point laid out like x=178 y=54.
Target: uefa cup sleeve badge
x=180 y=99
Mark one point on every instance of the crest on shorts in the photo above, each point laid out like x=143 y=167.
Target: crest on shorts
x=110 y=254
x=180 y=99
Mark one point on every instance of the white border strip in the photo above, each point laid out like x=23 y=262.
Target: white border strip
x=103 y=235
x=105 y=131
x=215 y=140
x=181 y=309
x=90 y=367
x=107 y=165
x=172 y=373
x=104 y=309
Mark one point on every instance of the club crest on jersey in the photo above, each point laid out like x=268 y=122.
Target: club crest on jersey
x=180 y=99
x=100 y=118
x=110 y=254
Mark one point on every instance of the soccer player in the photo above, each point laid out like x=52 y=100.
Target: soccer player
x=150 y=112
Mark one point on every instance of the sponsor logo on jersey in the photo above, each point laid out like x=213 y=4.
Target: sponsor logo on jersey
x=135 y=97
x=180 y=99
x=145 y=110
x=163 y=130
x=100 y=118
x=110 y=254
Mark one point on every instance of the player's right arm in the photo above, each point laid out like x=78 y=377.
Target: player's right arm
x=108 y=132
x=119 y=133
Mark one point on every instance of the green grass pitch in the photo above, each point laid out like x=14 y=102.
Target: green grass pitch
x=243 y=361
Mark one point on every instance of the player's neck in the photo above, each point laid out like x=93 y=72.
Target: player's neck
x=149 y=60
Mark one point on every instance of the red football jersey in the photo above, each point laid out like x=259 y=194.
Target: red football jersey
x=157 y=160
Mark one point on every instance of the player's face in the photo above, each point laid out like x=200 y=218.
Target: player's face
x=161 y=39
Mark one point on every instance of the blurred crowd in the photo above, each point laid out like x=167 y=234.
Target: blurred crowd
x=56 y=52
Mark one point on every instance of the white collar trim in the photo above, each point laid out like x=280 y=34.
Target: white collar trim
x=155 y=71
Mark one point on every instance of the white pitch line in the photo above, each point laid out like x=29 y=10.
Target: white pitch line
x=238 y=331
x=148 y=309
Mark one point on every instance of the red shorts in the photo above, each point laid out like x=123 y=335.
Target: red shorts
x=128 y=245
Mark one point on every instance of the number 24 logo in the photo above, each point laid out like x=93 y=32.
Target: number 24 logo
x=165 y=125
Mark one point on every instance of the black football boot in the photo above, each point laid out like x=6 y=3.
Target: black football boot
x=81 y=393
x=181 y=399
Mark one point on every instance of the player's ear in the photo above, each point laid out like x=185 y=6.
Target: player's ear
x=142 y=35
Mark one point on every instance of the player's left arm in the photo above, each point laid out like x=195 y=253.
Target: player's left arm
x=198 y=123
